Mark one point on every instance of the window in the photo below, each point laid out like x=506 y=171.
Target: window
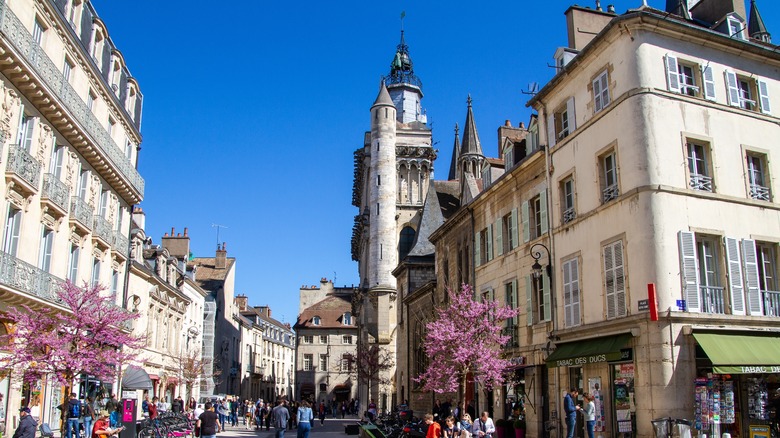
x=316 y=320
x=346 y=339
x=346 y=363
x=689 y=78
x=571 y=293
x=104 y=201
x=609 y=176
x=95 y=272
x=567 y=200
x=702 y=273
x=13 y=224
x=601 y=91
x=67 y=68
x=347 y=319
x=114 y=284
x=537 y=294
x=563 y=121
x=308 y=364
x=747 y=93
x=111 y=124
x=38 y=31
x=57 y=161
x=767 y=267
x=44 y=253
x=323 y=339
x=73 y=263
x=510 y=300
x=506 y=232
x=483 y=251
x=405 y=242
x=91 y=100
x=534 y=215
x=757 y=178
x=83 y=185
x=25 y=133
x=614 y=279
x=307 y=339
x=736 y=28
x=323 y=362
x=699 y=166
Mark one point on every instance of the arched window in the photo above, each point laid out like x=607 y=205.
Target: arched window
x=405 y=242
x=315 y=320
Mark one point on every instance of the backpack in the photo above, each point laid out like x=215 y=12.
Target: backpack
x=74 y=410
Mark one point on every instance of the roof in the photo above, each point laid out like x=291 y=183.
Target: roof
x=455 y=154
x=448 y=193
x=432 y=218
x=252 y=311
x=383 y=98
x=330 y=310
x=208 y=276
x=471 y=143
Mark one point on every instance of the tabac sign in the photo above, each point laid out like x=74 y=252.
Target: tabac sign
x=615 y=356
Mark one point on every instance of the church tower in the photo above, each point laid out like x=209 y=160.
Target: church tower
x=393 y=171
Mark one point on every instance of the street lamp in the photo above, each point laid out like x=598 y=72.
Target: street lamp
x=536 y=255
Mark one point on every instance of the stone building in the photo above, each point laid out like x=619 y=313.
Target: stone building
x=70 y=120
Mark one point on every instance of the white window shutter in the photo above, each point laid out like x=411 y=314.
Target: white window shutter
x=597 y=104
x=689 y=272
x=604 y=78
x=763 y=93
x=567 y=296
x=575 y=292
x=672 y=73
x=735 y=276
x=546 y=301
x=543 y=210
x=570 y=115
x=614 y=278
x=750 y=261
x=513 y=232
x=499 y=237
x=529 y=302
x=514 y=300
x=526 y=229
x=477 y=248
x=733 y=88
x=551 y=130
x=489 y=244
x=709 y=82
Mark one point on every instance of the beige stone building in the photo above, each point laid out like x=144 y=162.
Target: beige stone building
x=70 y=119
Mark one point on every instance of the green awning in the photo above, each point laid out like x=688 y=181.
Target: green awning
x=604 y=349
x=740 y=353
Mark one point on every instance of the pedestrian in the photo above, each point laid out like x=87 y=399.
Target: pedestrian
x=178 y=405
x=27 y=424
x=192 y=404
x=570 y=408
x=208 y=422
x=73 y=409
x=145 y=406
x=343 y=409
x=305 y=417
x=322 y=413
x=88 y=411
x=483 y=427
x=259 y=415
x=195 y=415
x=233 y=412
x=280 y=416
x=268 y=416
x=590 y=413
x=434 y=428
x=153 y=413
x=103 y=427
x=112 y=406
x=371 y=410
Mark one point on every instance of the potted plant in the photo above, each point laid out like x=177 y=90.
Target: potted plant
x=519 y=428
x=501 y=428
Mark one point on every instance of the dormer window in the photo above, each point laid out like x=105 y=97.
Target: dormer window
x=347 y=319
x=316 y=320
x=736 y=27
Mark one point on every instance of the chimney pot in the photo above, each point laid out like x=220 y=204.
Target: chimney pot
x=611 y=9
x=507 y=123
x=165 y=235
x=521 y=125
x=185 y=231
x=173 y=231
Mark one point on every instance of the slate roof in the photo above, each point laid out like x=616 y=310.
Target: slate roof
x=330 y=310
x=208 y=277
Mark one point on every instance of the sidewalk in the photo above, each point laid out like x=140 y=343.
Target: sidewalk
x=333 y=427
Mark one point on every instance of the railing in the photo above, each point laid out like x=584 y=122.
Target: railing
x=259 y=369
x=511 y=332
x=81 y=211
x=771 y=303
x=568 y=215
x=121 y=244
x=760 y=193
x=712 y=299
x=55 y=190
x=28 y=278
x=13 y=29
x=25 y=165
x=701 y=182
x=610 y=192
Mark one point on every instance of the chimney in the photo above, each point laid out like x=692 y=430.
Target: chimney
x=139 y=217
x=178 y=246
x=584 y=24
x=220 y=261
x=711 y=11
x=242 y=302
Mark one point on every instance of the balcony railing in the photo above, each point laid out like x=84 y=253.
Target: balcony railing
x=102 y=229
x=760 y=193
x=25 y=165
x=609 y=193
x=29 y=279
x=81 y=211
x=13 y=29
x=701 y=182
x=55 y=190
x=568 y=215
x=712 y=299
x=121 y=244
x=771 y=303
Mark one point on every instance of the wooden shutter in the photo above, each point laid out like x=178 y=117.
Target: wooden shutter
x=477 y=248
x=526 y=230
x=529 y=302
x=513 y=230
x=708 y=80
x=614 y=278
x=597 y=104
x=551 y=130
x=571 y=293
x=543 y=211
x=672 y=73
x=546 y=299
x=514 y=300
x=500 y=236
x=735 y=276
x=750 y=260
x=570 y=115
x=763 y=93
x=689 y=272
x=489 y=243
x=733 y=88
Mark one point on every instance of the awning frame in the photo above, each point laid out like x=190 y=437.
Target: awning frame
x=589 y=351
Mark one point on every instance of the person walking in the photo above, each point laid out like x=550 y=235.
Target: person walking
x=305 y=417
x=483 y=426
x=27 y=425
x=88 y=411
x=590 y=413
x=208 y=422
x=570 y=408
x=280 y=416
x=73 y=409
x=322 y=414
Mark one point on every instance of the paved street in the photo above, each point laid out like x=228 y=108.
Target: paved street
x=332 y=428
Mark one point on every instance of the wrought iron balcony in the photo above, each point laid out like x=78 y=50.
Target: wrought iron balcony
x=22 y=41
x=701 y=182
x=55 y=192
x=760 y=193
x=609 y=193
x=81 y=213
x=712 y=299
x=771 y=302
x=568 y=215
x=258 y=369
x=23 y=168
x=121 y=245
x=102 y=230
x=22 y=276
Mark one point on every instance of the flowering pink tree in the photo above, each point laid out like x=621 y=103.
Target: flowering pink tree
x=464 y=339
x=88 y=337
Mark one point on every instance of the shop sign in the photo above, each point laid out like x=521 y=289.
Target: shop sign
x=132 y=395
x=624 y=354
x=746 y=369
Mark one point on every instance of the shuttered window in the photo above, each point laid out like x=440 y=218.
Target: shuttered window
x=571 y=293
x=601 y=91
x=614 y=280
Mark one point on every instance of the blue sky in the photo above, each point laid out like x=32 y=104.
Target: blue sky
x=252 y=112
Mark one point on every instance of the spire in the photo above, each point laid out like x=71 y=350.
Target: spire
x=471 y=144
x=756 y=27
x=383 y=98
x=455 y=155
x=678 y=7
x=402 y=68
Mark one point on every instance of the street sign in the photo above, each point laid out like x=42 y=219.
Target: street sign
x=681 y=305
x=644 y=305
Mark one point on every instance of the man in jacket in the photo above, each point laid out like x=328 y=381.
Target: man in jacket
x=571 y=411
x=27 y=425
x=280 y=417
